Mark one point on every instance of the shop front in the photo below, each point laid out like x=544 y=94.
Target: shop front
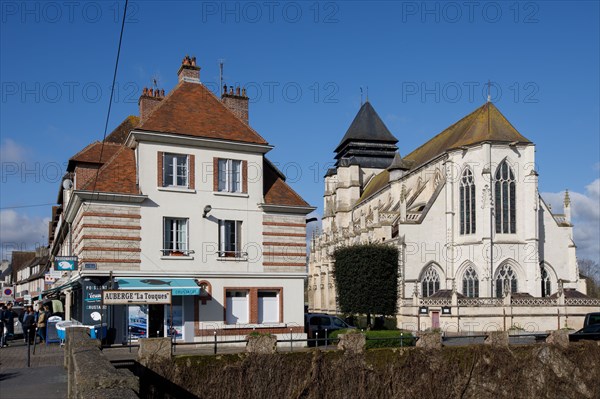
x=150 y=319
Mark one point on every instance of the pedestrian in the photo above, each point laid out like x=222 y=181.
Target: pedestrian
x=43 y=313
x=9 y=319
x=29 y=324
x=3 y=330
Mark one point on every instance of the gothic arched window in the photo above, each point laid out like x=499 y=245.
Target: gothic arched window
x=470 y=283
x=506 y=281
x=546 y=284
x=430 y=282
x=467 y=203
x=505 y=199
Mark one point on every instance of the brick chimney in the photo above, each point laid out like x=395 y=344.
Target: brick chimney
x=188 y=71
x=149 y=100
x=236 y=102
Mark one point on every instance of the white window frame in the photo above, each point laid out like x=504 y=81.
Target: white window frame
x=268 y=319
x=230 y=180
x=225 y=250
x=229 y=315
x=174 y=245
x=172 y=181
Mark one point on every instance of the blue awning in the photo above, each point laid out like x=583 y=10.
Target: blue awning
x=178 y=286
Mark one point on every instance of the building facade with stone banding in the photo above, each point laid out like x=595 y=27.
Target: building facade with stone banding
x=183 y=198
x=478 y=247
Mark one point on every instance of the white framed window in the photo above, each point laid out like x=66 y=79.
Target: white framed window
x=230 y=175
x=175 y=170
x=238 y=306
x=230 y=238
x=431 y=282
x=268 y=306
x=505 y=200
x=175 y=236
x=467 y=203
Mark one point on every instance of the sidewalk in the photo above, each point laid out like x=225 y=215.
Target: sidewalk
x=46 y=378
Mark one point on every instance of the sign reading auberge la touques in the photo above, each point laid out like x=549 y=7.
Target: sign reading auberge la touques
x=136 y=297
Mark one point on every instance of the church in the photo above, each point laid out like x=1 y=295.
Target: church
x=479 y=249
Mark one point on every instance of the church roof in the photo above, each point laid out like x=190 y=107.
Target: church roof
x=367 y=126
x=398 y=163
x=486 y=123
x=191 y=109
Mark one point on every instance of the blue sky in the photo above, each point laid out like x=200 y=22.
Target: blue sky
x=426 y=65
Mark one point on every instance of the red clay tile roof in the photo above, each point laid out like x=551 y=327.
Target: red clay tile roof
x=117 y=175
x=193 y=110
x=119 y=135
x=276 y=190
x=91 y=154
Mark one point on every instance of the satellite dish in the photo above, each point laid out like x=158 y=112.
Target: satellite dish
x=67 y=184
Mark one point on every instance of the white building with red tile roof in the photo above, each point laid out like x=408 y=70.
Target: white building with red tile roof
x=184 y=199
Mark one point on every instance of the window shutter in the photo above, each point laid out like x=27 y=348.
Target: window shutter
x=244 y=176
x=215 y=174
x=160 y=171
x=192 y=172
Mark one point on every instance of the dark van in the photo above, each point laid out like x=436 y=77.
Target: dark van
x=317 y=323
x=591 y=318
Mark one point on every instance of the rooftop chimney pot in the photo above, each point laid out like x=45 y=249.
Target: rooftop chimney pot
x=188 y=71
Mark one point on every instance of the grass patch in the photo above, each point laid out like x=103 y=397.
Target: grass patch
x=382 y=338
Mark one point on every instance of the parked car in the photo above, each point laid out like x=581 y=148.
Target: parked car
x=317 y=323
x=591 y=332
x=591 y=318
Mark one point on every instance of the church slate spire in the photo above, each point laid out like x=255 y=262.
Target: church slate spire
x=367 y=142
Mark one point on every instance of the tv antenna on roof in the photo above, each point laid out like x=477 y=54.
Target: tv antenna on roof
x=489 y=96
x=155 y=81
x=361 y=94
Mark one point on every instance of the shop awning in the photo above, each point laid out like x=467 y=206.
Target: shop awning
x=178 y=286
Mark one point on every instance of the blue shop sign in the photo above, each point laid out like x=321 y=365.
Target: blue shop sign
x=65 y=263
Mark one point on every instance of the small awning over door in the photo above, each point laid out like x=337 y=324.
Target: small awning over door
x=178 y=286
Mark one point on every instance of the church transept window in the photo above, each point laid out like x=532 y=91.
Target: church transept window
x=546 y=283
x=467 y=203
x=505 y=199
x=430 y=283
x=506 y=281
x=471 y=283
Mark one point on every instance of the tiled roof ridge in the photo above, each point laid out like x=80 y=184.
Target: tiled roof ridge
x=105 y=166
x=472 y=114
x=90 y=146
x=232 y=113
x=204 y=88
x=160 y=104
x=84 y=149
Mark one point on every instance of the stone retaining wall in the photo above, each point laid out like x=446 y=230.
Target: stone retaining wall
x=90 y=374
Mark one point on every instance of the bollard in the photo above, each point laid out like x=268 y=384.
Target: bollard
x=28 y=348
x=291 y=342
x=325 y=339
x=317 y=339
x=215 y=349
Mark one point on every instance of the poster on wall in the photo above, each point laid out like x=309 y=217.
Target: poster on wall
x=138 y=321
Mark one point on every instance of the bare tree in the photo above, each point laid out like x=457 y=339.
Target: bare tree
x=591 y=271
